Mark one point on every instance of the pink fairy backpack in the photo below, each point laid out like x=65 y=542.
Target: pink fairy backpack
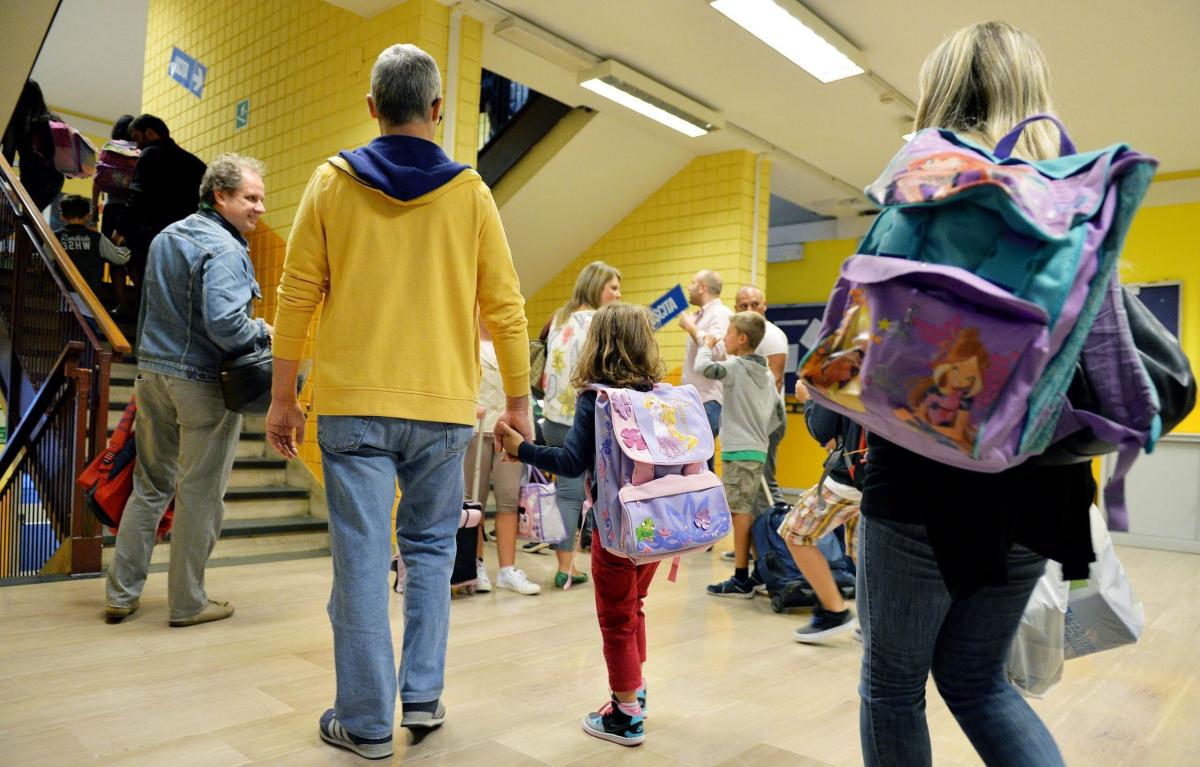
x=655 y=496
x=114 y=172
x=74 y=156
x=538 y=516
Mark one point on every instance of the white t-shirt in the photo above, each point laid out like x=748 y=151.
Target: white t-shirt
x=774 y=341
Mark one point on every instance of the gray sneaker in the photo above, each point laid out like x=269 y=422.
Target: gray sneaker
x=213 y=611
x=118 y=613
x=825 y=625
x=333 y=733
x=423 y=716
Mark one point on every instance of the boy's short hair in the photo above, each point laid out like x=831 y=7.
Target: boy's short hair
x=750 y=324
x=75 y=206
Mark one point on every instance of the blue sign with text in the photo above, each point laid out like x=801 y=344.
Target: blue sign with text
x=668 y=307
x=188 y=72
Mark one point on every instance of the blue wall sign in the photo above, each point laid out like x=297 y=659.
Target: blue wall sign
x=241 y=116
x=188 y=72
x=669 y=306
x=801 y=323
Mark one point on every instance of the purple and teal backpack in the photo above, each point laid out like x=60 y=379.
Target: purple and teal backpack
x=957 y=330
x=656 y=497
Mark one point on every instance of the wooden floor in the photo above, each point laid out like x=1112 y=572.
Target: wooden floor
x=728 y=686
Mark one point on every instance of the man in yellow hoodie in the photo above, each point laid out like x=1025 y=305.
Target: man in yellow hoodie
x=399 y=245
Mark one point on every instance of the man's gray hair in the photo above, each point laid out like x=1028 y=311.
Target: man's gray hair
x=225 y=173
x=405 y=82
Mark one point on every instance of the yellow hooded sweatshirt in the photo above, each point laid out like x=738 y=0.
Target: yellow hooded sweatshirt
x=400 y=245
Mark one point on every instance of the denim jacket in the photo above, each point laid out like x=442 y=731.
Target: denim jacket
x=197 y=300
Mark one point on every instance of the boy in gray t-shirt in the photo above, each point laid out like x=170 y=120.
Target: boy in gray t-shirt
x=750 y=411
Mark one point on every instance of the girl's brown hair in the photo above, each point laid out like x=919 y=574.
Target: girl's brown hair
x=589 y=287
x=620 y=349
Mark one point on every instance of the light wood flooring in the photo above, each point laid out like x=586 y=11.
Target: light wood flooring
x=728 y=686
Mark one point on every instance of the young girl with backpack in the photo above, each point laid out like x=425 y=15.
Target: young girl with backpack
x=620 y=352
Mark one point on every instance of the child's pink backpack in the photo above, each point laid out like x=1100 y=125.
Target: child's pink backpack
x=656 y=497
x=118 y=160
x=539 y=517
x=74 y=156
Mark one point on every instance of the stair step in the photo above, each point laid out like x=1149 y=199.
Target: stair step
x=250 y=444
x=258 y=471
x=119 y=395
x=278 y=501
x=255 y=424
x=126 y=370
x=254 y=537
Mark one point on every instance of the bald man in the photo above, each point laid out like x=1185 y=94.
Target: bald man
x=774 y=347
x=704 y=291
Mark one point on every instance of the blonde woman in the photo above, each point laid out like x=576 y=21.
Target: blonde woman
x=947 y=557
x=598 y=284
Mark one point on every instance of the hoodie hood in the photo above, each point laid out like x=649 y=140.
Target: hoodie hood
x=402 y=167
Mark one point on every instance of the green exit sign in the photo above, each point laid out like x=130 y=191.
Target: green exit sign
x=241 y=115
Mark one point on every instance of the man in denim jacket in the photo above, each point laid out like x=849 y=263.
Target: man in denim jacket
x=196 y=312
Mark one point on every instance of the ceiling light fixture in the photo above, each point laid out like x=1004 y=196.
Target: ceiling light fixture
x=545 y=44
x=613 y=80
x=797 y=33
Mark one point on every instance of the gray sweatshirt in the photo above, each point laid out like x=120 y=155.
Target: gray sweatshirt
x=750 y=408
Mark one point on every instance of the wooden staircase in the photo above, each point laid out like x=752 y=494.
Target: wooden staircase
x=265 y=516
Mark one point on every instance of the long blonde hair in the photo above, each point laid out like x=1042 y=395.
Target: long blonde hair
x=620 y=349
x=982 y=81
x=589 y=287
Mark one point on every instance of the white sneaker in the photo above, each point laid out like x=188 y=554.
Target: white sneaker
x=514 y=580
x=482 y=582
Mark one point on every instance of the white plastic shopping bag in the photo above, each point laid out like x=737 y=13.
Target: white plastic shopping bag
x=1102 y=612
x=1035 y=661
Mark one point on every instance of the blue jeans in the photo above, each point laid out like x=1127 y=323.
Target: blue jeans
x=912 y=626
x=712 y=409
x=363 y=458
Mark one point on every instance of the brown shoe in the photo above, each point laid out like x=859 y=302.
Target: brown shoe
x=117 y=613
x=213 y=611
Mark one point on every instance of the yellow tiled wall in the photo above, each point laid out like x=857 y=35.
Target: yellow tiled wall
x=703 y=218
x=305 y=65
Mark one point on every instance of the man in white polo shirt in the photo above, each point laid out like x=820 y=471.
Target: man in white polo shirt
x=774 y=347
x=704 y=291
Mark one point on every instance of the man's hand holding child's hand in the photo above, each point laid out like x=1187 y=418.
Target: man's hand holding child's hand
x=510 y=439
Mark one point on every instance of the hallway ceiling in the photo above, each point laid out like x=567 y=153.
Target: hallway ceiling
x=1118 y=75
x=92 y=61
x=1120 y=72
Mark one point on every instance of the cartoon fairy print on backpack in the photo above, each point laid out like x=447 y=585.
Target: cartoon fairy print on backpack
x=942 y=402
x=835 y=364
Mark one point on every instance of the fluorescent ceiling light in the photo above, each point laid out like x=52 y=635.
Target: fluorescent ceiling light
x=545 y=44
x=650 y=98
x=797 y=33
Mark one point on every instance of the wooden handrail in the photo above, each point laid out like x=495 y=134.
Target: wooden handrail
x=67 y=268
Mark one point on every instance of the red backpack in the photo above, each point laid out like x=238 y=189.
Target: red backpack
x=108 y=480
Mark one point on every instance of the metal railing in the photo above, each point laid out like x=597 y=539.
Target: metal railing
x=39 y=498
x=55 y=363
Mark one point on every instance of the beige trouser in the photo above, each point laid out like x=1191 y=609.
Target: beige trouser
x=186 y=441
x=506 y=477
